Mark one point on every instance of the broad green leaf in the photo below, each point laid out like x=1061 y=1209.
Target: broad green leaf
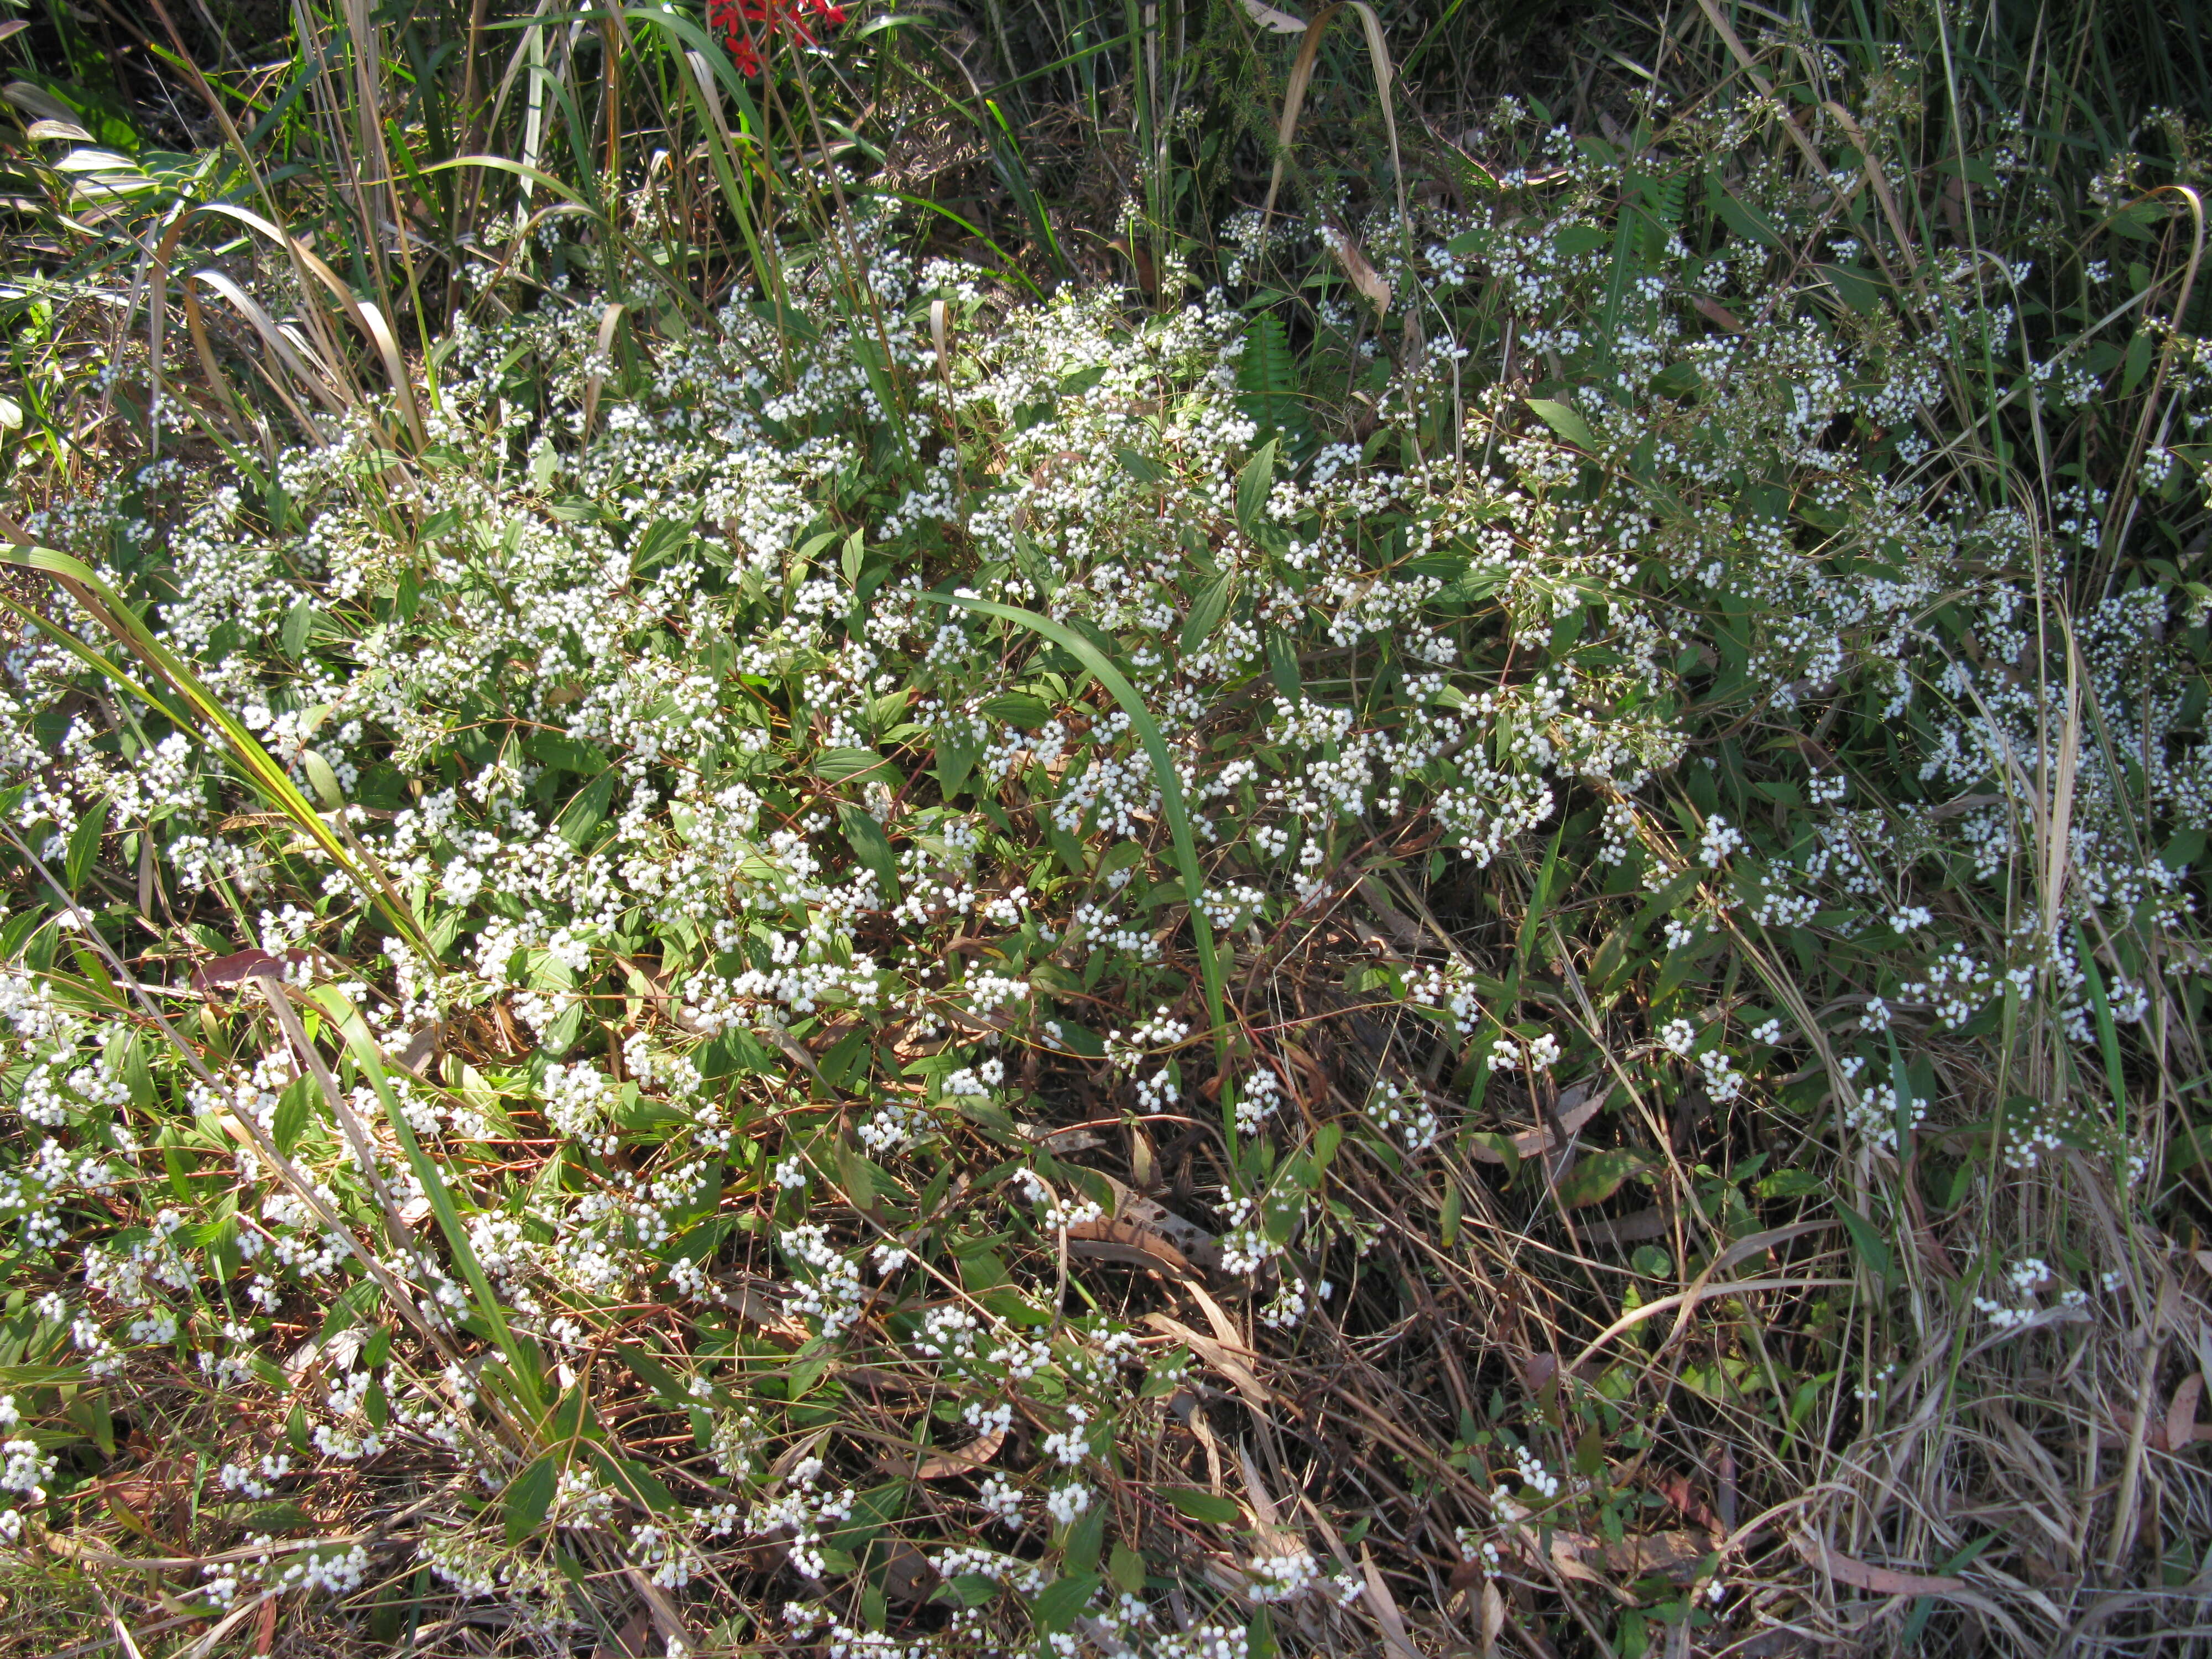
x=530 y=1496
x=293 y=1108
x=841 y=765
x=83 y=850
x=580 y=818
x=1127 y=1569
x=1023 y=709
x=1059 y=1603
x=1564 y=420
x=1207 y=611
x=1597 y=1176
x=1873 y=1249
x=1253 y=484
x=1204 y=1505
x=871 y=847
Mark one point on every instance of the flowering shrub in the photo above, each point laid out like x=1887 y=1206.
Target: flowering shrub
x=650 y=1097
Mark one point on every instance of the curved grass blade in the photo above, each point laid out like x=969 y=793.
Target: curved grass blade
x=107 y=607
x=522 y=1361
x=1163 y=772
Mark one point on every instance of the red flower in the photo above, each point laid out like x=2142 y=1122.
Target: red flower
x=743 y=25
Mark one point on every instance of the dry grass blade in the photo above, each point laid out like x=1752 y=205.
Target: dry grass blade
x=1275 y=22
x=1294 y=96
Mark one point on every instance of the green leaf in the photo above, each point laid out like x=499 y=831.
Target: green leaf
x=1283 y=666
x=1563 y=419
x=293 y=1108
x=841 y=765
x=655 y=1375
x=1873 y=1249
x=970 y=1589
x=1024 y=708
x=84 y=843
x=1207 y=611
x=324 y=779
x=1084 y=1538
x=1138 y=466
x=1597 y=1176
x=298 y=625
x=1507 y=1151
x=1204 y=1505
x=1753 y=227
x=871 y=847
x=1127 y=1569
x=1253 y=484
x=1164 y=774
x=529 y=1496
x=2137 y=361
x=1790 y=1183
x=1856 y=288
x=587 y=809
x=1059 y=1603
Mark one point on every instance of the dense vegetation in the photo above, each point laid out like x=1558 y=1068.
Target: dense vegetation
x=853 y=831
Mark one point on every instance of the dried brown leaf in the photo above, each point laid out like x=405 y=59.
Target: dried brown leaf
x=1864 y=1574
x=1128 y=1241
x=2181 y=1415
x=1276 y=22
x=964 y=1459
x=1573 y=1112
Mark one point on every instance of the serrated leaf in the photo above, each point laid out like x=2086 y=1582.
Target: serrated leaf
x=322 y=778
x=1856 y=288
x=1746 y=222
x=587 y=809
x=293 y=1106
x=970 y=1589
x=1126 y=1568
x=298 y=625
x=1790 y=1183
x=1139 y=467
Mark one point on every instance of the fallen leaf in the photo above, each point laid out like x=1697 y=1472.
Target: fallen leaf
x=1196 y=1244
x=1126 y=1240
x=1718 y=314
x=1672 y=1554
x=235 y=970
x=908 y=1576
x=964 y=1459
x=1278 y=22
x=1577 y=1106
x=2181 y=1416
x=1655 y=1222
x=1396 y=1639
x=1215 y=1355
x=1863 y=1575
x=1493 y=1617
x=1365 y=278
